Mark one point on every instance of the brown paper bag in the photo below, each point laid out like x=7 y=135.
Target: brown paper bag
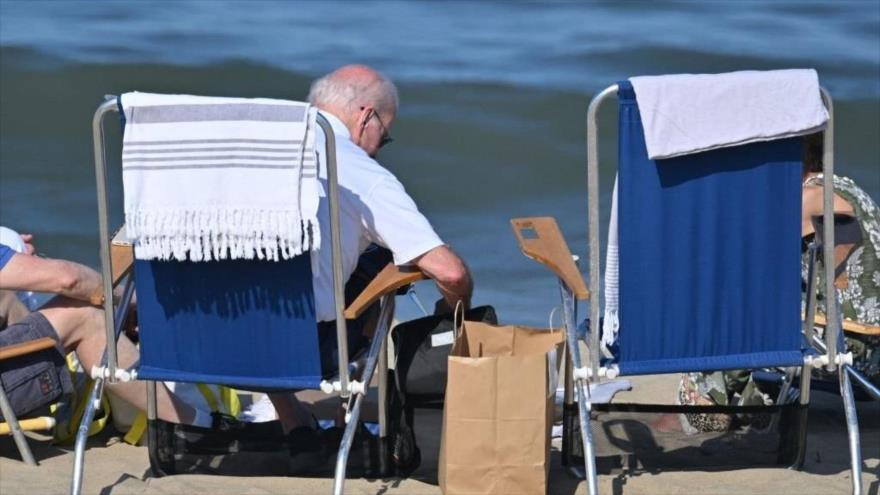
x=499 y=410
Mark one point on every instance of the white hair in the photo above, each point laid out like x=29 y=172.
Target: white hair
x=348 y=93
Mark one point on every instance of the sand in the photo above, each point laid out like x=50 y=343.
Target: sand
x=113 y=467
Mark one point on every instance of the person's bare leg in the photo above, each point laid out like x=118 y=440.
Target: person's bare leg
x=81 y=328
x=668 y=422
x=291 y=412
x=11 y=309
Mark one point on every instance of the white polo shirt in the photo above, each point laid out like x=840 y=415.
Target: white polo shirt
x=373 y=208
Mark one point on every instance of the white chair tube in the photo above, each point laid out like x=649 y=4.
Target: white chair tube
x=593 y=219
x=113 y=320
x=832 y=329
x=104 y=228
x=336 y=250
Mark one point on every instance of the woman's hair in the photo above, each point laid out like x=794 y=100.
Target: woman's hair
x=814 y=146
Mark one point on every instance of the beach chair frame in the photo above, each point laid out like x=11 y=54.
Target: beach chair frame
x=832 y=358
x=116 y=263
x=578 y=377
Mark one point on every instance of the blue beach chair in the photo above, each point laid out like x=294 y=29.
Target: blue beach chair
x=709 y=249
x=248 y=324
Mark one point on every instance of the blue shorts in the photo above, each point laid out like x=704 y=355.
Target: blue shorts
x=37 y=379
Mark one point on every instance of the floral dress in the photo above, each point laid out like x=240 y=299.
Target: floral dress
x=859 y=301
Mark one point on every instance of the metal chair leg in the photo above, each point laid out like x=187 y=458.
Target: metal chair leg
x=852 y=428
x=384 y=447
x=82 y=435
x=345 y=446
x=567 y=416
x=97 y=390
x=804 y=401
x=587 y=438
x=377 y=347
x=569 y=310
x=20 y=441
x=860 y=379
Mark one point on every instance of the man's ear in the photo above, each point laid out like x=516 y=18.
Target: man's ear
x=360 y=123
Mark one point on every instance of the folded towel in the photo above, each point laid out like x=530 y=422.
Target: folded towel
x=689 y=113
x=216 y=178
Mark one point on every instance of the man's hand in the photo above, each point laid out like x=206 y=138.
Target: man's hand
x=28 y=239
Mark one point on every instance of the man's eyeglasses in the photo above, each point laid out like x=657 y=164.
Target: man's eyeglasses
x=386 y=138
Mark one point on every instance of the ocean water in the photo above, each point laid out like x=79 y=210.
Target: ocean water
x=493 y=95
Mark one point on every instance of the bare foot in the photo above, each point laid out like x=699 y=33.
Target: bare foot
x=667 y=423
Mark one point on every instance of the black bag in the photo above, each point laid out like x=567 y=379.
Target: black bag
x=421 y=349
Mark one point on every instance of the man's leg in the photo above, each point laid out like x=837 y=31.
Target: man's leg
x=81 y=328
x=291 y=412
x=11 y=309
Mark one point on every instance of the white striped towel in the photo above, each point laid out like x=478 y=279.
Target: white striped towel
x=215 y=178
x=611 y=321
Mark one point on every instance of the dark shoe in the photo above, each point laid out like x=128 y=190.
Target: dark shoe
x=249 y=437
x=228 y=435
x=308 y=454
x=221 y=438
x=225 y=423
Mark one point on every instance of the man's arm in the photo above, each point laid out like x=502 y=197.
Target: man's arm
x=395 y=222
x=450 y=273
x=24 y=272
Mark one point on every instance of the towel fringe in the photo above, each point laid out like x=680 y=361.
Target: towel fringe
x=221 y=234
x=610 y=326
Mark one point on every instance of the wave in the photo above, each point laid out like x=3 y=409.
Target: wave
x=473 y=154
x=457 y=134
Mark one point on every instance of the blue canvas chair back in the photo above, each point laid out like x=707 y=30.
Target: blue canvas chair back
x=709 y=254
x=244 y=323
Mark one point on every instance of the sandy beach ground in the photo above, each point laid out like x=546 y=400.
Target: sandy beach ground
x=113 y=467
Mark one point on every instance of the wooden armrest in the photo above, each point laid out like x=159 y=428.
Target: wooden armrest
x=121 y=256
x=11 y=351
x=540 y=239
x=850 y=326
x=391 y=278
x=121 y=261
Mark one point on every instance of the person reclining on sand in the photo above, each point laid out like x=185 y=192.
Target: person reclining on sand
x=75 y=321
x=361 y=105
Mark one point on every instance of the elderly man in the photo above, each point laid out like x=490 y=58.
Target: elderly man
x=73 y=320
x=361 y=106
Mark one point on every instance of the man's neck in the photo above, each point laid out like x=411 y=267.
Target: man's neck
x=338 y=123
